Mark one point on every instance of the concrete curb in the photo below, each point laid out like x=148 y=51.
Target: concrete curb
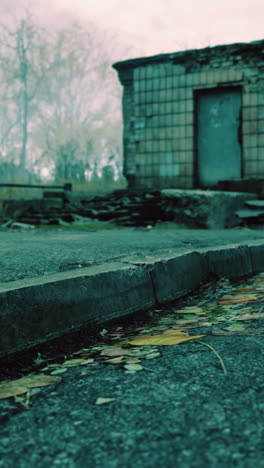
x=36 y=310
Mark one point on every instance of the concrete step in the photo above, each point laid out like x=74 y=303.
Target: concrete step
x=253 y=214
x=255 y=203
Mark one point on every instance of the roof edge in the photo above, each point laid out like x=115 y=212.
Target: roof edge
x=181 y=56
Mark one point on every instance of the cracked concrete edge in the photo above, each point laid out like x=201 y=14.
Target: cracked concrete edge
x=35 y=310
x=53 y=305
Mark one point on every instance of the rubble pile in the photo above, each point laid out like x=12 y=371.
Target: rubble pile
x=125 y=207
x=203 y=209
x=253 y=213
x=120 y=207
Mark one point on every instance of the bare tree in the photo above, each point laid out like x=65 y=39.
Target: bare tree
x=60 y=101
x=82 y=101
x=25 y=62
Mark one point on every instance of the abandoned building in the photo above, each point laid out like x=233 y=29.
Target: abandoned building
x=194 y=118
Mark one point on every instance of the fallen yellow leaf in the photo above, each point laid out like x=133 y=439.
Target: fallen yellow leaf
x=164 y=340
x=238 y=298
x=10 y=388
x=61 y=370
x=250 y=317
x=116 y=360
x=11 y=391
x=35 y=380
x=101 y=401
x=73 y=362
x=114 y=351
x=152 y=355
x=133 y=367
x=190 y=310
x=134 y=360
x=87 y=361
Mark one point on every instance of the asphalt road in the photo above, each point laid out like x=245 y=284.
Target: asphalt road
x=31 y=254
x=183 y=411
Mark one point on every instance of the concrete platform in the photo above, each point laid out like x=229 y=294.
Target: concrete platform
x=204 y=208
x=56 y=282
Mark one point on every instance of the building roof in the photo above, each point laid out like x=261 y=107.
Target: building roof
x=255 y=48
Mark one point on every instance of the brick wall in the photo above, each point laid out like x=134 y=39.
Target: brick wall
x=158 y=109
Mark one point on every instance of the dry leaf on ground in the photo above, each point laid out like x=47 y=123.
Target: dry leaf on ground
x=133 y=367
x=164 y=340
x=239 y=299
x=11 y=391
x=134 y=360
x=72 y=362
x=101 y=401
x=116 y=360
x=114 y=351
x=36 y=380
x=190 y=310
x=61 y=370
x=250 y=317
x=21 y=385
x=87 y=361
x=152 y=355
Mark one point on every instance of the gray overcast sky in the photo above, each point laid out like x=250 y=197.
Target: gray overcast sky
x=154 y=26
x=168 y=25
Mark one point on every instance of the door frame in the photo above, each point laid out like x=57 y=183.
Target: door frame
x=196 y=94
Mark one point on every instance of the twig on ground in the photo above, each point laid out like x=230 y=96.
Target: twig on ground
x=216 y=353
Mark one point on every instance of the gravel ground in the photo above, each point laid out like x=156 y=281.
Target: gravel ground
x=182 y=411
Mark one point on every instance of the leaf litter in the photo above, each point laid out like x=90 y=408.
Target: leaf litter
x=127 y=347
x=23 y=384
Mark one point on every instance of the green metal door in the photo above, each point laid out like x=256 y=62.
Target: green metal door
x=218 y=136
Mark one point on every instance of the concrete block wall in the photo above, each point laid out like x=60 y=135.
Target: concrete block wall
x=159 y=111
